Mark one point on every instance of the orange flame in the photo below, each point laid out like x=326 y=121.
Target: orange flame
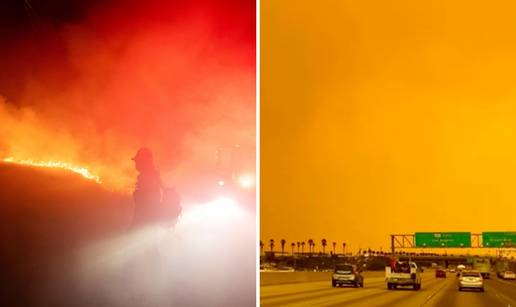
x=83 y=171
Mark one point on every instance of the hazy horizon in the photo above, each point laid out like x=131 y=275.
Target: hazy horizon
x=381 y=118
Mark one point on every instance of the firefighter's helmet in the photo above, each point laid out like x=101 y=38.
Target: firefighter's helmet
x=143 y=155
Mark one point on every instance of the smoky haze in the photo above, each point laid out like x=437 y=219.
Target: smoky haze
x=88 y=85
x=66 y=242
x=386 y=117
x=92 y=88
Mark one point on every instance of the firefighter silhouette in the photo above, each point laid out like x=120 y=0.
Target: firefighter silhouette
x=153 y=203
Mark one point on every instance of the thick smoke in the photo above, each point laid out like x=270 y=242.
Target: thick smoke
x=90 y=89
x=176 y=76
x=66 y=242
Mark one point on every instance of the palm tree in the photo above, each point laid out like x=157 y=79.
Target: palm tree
x=261 y=247
x=324 y=243
x=303 y=247
x=271 y=244
x=344 y=248
x=310 y=244
x=293 y=245
x=298 y=245
x=283 y=242
x=334 y=244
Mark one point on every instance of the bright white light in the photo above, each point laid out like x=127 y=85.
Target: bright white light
x=156 y=261
x=246 y=181
x=221 y=183
x=213 y=213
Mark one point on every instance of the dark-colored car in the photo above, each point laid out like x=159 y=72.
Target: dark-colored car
x=440 y=273
x=347 y=274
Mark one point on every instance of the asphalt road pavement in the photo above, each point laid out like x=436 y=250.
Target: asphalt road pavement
x=435 y=292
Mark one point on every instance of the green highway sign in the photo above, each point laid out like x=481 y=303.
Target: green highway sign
x=499 y=239
x=442 y=239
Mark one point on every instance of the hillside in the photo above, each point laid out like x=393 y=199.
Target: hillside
x=47 y=215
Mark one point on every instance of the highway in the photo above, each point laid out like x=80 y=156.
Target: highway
x=434 y=292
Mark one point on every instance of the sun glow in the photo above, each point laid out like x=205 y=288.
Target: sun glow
x=83 y=171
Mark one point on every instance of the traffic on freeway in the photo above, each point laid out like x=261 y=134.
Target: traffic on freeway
x=310 y=289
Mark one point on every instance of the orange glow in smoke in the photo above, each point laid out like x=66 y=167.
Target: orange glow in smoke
x=68 y=113
x=83 y=171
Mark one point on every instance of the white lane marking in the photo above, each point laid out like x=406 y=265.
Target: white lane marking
x=428 y=298
x=502 y=297
x=300 y=290
x=505 y=282
x=395 y=295
x=314 y=298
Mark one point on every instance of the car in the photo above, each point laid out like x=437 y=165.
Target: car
x=286 y=269
x=440 y=273
x=472 y=280
x=347 y=274
x=509 y=275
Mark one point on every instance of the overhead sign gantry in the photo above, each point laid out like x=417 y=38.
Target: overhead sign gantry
x=442 y=239
x=500 y=239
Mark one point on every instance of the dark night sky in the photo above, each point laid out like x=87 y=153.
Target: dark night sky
x=32 y=20
x=20 y=14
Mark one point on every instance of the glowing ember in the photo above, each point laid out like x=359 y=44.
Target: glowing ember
x=56 y=164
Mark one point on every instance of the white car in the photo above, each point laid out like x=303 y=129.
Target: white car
x=509 y=275
x=471 y=280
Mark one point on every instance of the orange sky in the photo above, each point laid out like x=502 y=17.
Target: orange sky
x=382 y=117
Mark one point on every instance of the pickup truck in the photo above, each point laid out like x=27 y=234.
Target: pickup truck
x=403 y=274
